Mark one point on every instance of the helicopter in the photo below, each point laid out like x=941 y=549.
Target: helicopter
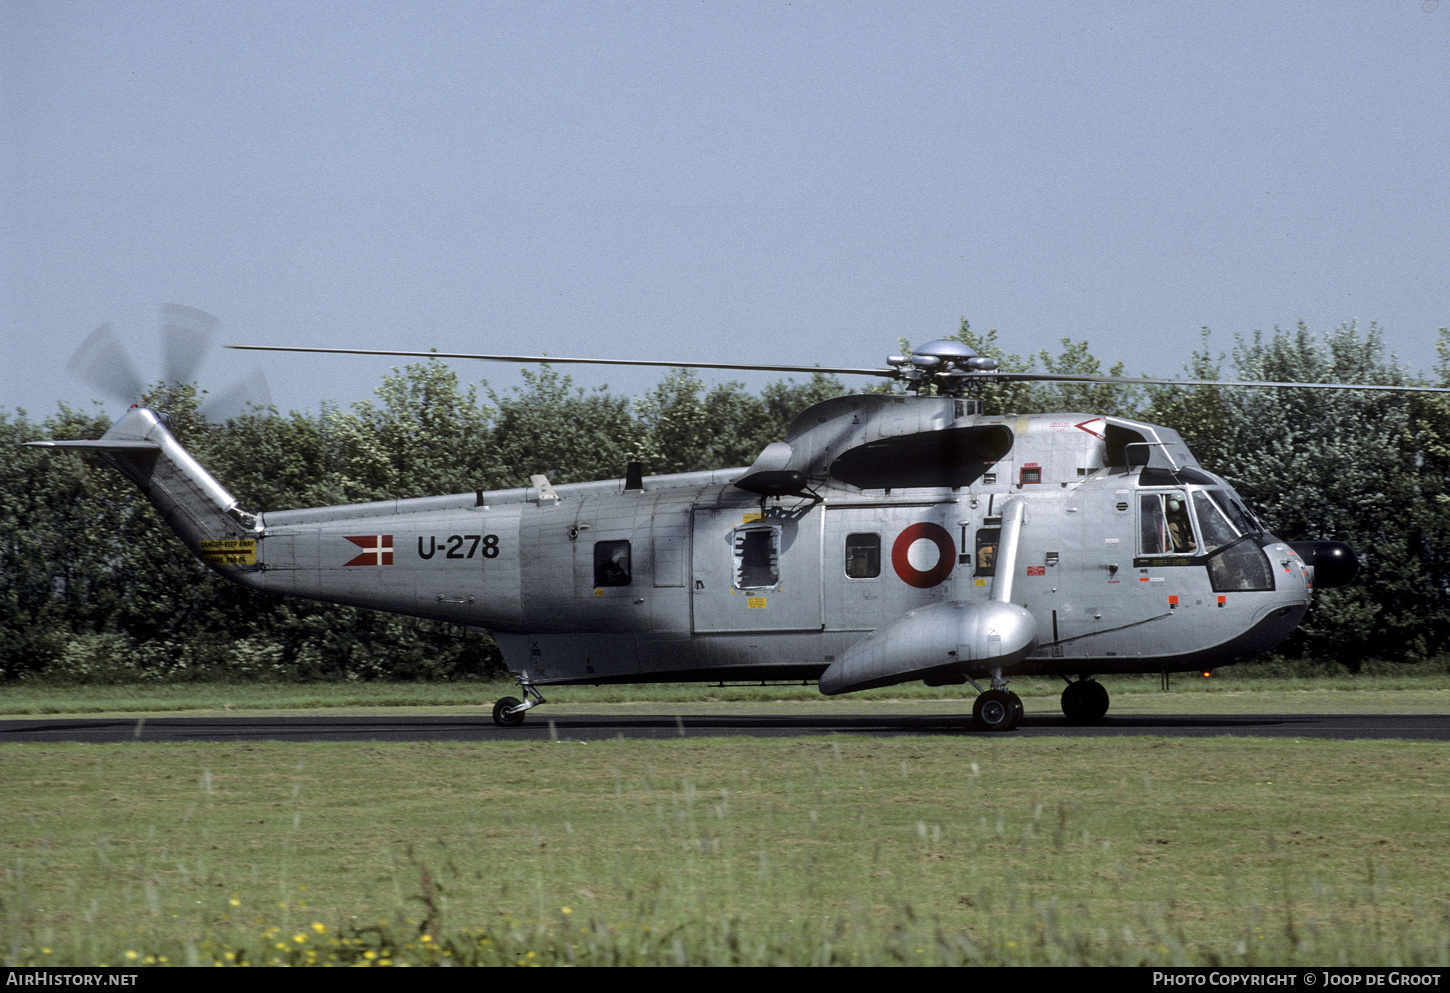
x=889 y=538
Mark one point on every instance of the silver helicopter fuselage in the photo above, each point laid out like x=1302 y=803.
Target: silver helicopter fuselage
x=889 y=538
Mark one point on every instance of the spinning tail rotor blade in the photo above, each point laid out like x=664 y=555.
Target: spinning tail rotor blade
x=187 y=334
x=251 y=395
x=102 y=362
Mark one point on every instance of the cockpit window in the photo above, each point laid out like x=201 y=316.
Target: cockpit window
x=1212 y=520
x=1236 y=512
x=1164 y=525
x=1225 y=541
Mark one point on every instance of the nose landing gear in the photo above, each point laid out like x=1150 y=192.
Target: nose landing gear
x=997 y=709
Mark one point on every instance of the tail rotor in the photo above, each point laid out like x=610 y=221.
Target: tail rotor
x=186 y=335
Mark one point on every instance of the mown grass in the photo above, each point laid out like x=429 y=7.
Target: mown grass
x=728 y=851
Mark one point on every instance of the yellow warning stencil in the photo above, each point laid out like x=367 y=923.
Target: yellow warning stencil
x=230 y=551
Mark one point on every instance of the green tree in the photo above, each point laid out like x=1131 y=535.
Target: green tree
x=53 y=555
x=427 y=436
x=1361 y=467
x=686 y=429
x=84 y=555
x=550 y=426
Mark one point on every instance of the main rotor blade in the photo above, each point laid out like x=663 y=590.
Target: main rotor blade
x=554 y=360
x=983 y=378
x=102 y=362
x=1043 y=377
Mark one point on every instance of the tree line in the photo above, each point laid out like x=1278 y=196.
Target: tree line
x=94 y=587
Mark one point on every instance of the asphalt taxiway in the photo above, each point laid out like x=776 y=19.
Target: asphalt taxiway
x=561 y=724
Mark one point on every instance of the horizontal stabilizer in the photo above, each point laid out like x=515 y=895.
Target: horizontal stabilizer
x=99 y=445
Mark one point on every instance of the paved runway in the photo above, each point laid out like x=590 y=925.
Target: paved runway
x=559 y=723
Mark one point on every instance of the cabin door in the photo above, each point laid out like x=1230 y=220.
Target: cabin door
x=754 y=572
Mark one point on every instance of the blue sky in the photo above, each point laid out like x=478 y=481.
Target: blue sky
x=803 y=182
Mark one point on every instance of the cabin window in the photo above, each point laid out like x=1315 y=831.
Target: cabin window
x=757 y=558
x=863 y=556
x=611 y=563
x=1164 y=525
x=986 y=557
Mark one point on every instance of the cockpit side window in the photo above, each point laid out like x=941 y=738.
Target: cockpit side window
x=1164 y=525
x=1152 y=528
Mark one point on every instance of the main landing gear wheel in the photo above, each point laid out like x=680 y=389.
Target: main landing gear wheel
x=501 y=715
x=1085 y=701
x=997 y=710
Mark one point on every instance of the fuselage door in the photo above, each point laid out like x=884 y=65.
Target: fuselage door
x=753 y=572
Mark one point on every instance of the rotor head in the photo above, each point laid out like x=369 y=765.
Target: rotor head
x=945 y=364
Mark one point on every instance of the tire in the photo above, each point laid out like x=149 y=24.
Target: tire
x=996 y=710
x=501 y=715
x=1085 y=701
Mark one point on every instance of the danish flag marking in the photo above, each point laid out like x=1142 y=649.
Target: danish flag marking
x=377 y=549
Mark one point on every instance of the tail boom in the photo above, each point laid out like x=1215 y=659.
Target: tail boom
x=198 y=508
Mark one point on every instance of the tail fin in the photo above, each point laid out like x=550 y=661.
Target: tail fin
x=197 y=507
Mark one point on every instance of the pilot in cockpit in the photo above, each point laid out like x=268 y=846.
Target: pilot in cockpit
x=1180 y=531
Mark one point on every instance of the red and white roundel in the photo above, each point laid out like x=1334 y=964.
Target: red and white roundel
x=923 y=555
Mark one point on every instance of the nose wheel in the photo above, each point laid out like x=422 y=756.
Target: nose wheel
x=997 y=710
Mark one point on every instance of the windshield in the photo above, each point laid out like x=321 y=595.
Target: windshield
x=1213 y=521
x=1222 y=517
x=1235 y=510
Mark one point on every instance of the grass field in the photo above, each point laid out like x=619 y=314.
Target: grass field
x=736 y=851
